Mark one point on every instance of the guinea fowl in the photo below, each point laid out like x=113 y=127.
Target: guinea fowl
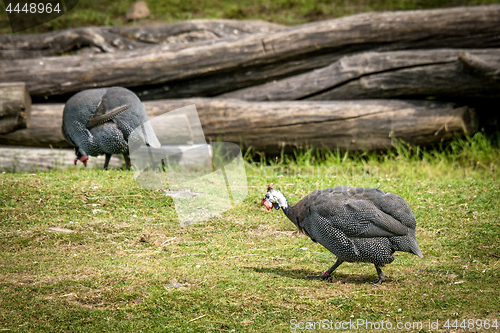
x=355 y=224
x=99 y=121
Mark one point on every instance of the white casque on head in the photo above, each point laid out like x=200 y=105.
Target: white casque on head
x=276 y=198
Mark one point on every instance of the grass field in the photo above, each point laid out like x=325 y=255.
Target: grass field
x=128 y=266
x=289 y=12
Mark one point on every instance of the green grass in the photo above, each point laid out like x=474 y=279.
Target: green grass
x=244 y=271
x=289 y=12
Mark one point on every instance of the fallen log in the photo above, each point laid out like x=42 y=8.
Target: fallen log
x=448 y=80
x=461 y=27
x=485 y=64
x=15 y=106
x=112 y=39
x=416 y=73
x=210 y=86
x=46 y=131
x=22 y=159
x=275 y=126
x=16 y=159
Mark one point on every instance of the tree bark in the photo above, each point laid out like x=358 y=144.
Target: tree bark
x=275 y=126
x=15 y=107
x=412 y=74
x=208 y=86
x=119 y=38
x=447 y=80
x=461 y=27
x=485 y=64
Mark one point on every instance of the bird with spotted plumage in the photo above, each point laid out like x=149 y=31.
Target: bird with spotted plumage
x=355 y=224
x=100 y=121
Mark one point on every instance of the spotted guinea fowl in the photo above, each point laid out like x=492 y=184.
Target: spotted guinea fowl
x=355 y=224
x=99 y=121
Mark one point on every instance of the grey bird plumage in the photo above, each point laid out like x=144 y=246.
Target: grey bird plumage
x=100 y=121
x=355 y=224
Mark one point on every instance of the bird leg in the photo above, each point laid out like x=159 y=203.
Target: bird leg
x=127 y=161
x=381 y=275
x=326 y=274
x=106 y=162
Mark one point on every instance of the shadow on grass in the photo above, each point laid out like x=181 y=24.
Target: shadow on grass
x=301 y=274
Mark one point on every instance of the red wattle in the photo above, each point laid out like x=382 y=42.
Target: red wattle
x=267 y=204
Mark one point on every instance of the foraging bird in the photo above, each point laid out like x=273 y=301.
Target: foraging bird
x=100 y=121
x=355 y=224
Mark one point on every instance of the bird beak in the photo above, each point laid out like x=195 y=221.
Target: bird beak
x=84 y=160
x=266 y=203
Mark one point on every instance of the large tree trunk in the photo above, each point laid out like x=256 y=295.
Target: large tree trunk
x=112 y=39
x=416 y=73
x=15 y=106
x=462 y=27
x=273 y=126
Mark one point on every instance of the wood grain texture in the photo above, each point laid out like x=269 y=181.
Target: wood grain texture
x=273 y=126
x=461 y=27
x=450 y=80
x=354 y=125
x=24 y=159
x=119 y=38
x=15 y=107
x=44 y=131
x=418 y=73
x=485 y=64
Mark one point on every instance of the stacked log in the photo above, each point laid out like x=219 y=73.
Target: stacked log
x=449 y=73
x=91 y=40
x=356 y=82
x=158 y=72
x=16 y=159
x=276 y=126
x=15 y=107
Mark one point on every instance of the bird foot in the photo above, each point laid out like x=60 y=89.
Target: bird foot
x=318 y=277
x=381 y=278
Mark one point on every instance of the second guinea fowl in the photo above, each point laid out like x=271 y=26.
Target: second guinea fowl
x=355 y=224
x=100 y=121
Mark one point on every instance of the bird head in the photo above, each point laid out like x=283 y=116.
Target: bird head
x=273 y=198
x=80 y=157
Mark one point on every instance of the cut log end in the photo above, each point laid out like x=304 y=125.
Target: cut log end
x=15 y=107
